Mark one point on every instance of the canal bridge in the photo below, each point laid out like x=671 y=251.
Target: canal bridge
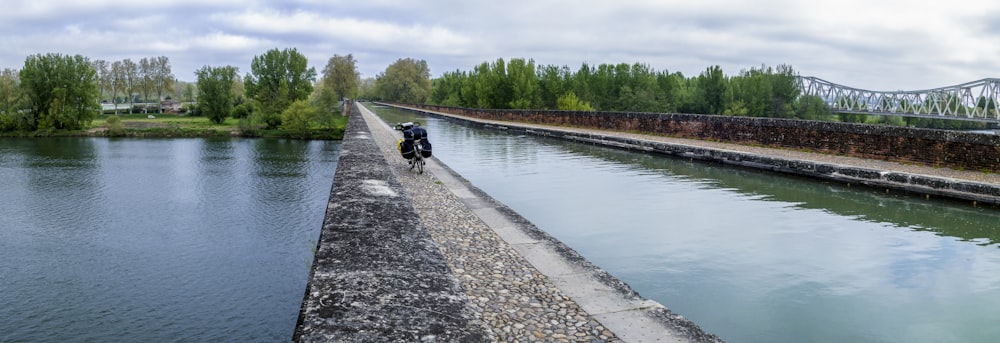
x=379 y=275
x=975 y=101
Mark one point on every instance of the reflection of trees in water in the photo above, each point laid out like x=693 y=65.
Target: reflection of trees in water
x=945 y=217
x=66 y=169
x=281 y=169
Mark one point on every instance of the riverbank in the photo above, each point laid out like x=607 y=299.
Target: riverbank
x=172 y=126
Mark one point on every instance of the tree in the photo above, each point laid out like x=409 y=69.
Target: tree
x=10 y=100
x=711 y=90
x=406 y=80
x=298 y=117
x=368 y=89
x=553 y=82
x=277 y=78
x=130 y=74
x=101 y=67
x=447 y=90
x=524 y=83
x=341 y=76
x=146 y=75
x=117 y=82
x=61 y=91
x=163 y=76
x=215 y=92
x=569 y=102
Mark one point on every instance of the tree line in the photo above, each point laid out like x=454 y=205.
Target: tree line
x=280 y=91
x=519 y=83
x=128 y=81
x=55 y=91
x=64 y=92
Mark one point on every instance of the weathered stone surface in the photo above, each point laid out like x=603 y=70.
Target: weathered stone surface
x=377 y=275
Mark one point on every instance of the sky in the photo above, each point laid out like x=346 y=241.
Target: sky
x=868 y=44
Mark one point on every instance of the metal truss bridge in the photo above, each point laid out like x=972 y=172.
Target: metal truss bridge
x=976 y=100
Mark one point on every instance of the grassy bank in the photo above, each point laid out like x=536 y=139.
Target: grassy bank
x=169 y=125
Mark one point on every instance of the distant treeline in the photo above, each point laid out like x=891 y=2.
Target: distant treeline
x=763 y=91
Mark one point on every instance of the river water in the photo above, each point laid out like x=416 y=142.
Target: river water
x=747 y=255
x=155 y=240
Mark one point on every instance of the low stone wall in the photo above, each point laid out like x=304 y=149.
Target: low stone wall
x=377 y=275
x=957 y=150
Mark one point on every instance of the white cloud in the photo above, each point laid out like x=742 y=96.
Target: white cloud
x=889 y=44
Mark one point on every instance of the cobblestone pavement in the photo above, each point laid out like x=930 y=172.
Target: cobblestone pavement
x=518 y=302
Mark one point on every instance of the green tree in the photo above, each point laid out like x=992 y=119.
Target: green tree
x=447 y=90
x=553 y=82
x=215 y=92
x=812 y=108
x=406 y=80
x=569 y=102
x=367 y=89
x=523 y=82
x=10 y=100
x=341 y=76
x=277 y=78
x=298 y=117
x=712 y=90
x=115 y=126
x=784 y=91
x=61 y=92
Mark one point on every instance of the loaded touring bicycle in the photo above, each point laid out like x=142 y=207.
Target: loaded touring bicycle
x=414 y=146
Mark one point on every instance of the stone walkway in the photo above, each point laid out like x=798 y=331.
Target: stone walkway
x=517 y=301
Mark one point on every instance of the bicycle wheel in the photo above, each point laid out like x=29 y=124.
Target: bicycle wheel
x=420 y=164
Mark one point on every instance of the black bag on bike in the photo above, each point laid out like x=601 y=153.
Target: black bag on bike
x=406 y=148
x=417 y=133
x=425 y=148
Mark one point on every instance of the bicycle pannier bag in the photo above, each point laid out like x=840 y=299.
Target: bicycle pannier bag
x=425 y=148
x=406 y=149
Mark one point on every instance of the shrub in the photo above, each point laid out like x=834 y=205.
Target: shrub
x=298 y=117
x=115 y=126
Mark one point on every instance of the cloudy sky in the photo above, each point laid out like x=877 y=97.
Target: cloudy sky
x=876 y=45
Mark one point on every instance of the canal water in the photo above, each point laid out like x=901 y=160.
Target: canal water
x=747 y=255
x=158 y=240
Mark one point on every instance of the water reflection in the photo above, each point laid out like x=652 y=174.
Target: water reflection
x=158 y=239
x=949 y=218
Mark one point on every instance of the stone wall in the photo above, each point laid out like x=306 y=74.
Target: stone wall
x=951 y=149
